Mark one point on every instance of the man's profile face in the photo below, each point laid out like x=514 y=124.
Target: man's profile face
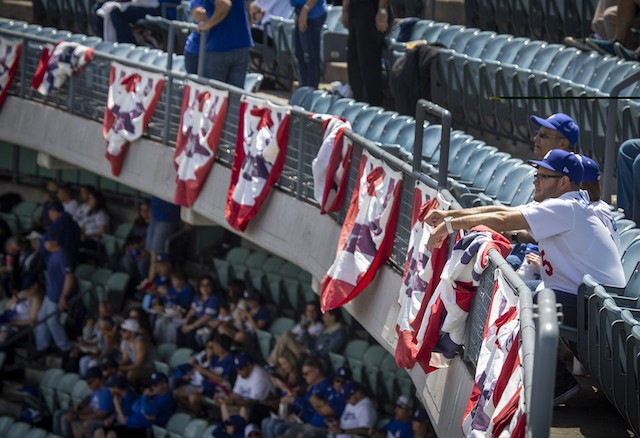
x=546 y=139
x=546 y=183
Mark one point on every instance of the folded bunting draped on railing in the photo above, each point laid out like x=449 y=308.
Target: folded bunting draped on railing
x=261 y=149
x=496 y=404
x=422 y=271
x=133 y=95
x=367 y=234
x=331 y=165
x=57 y=63
x=442 y=331
x=9 y=56
x=204 y=111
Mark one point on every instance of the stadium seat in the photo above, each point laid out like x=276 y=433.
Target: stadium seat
x=280 y=325
x=376 y=128
x=362 y=122
x=389 y=371
x=339 y=105
x=472 y=152
x=17 y=430
x=354 y=352
x=352 y=110
x=372 y=359
x=208 y=432
x=273 y=264
x=175 y=426
x=265 y=342
x=625 y=224
x=632 y=395
x=323 y=104
x=630 y=260
x=299 y=95
x=165 y=350
x=337 y=360
x=45 y=400
x=5 y=424
x=36 y=432
x=64 y=389
x=253 y=81
x=310 y=99
x=162 y=367
x=506 y=191
x=292 y=289
x=180 y=355
x=115 y=288
x=195 y=428
x=455 y=143
x=24 y=212
x=493 y=176
x=628 y=236
x=405 y=384
x=79 y=392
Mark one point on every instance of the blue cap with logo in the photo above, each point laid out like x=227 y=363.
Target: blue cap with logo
x=561 y=161
x=561 y=123
x=349 y=388
x=242 y=360
x=344 y=373
x=591 y=170
x=158 y=378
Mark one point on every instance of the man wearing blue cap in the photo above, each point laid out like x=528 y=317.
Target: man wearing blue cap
x=558 y=131
x=573 y=241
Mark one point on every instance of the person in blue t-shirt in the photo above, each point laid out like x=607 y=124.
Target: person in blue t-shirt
x=310 y=16
x=67 y=230
x=87 y=413
x=401 y=425
x=255 y=317
x=232 y=427
x=123 y=398
x=172 y=307
x=204 y=308
x=160 y=284
x=60 y=281
x=155 y=406
x=228 y=41
x=165 y=220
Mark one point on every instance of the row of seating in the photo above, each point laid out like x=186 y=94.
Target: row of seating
x=475 y=168
x=131 y=52
x=548 y=20
x=10 y=428
x=608 y=342
x=57 y=390
x=479 y=66
x=99 y=284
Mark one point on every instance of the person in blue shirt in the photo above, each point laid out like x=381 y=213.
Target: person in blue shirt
x=60 y=282
x=67 y=230
x=255 y=317
x=310 y=16
x=123 y=398
x=172 y=307
x=232 y=427
x=228 y=41
x=88 y=412
x=165 y=220
x=155 y=406
x=401 y=425
x=204 y=308
x=159 y=285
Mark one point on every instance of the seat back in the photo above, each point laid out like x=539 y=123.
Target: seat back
x=510 y=49
x=180 y=356
x=378 y=124
x=447 y=36
x=352 y=110
x=476 y=45
x=79 y=392
x=513 y=181
x=392 y=128
x=431 y=33
x=630 y=260
x=299 y=95
x=280 y=325
x=490 y=167
x=628 y=236
x=494 y=45
x=363 y=120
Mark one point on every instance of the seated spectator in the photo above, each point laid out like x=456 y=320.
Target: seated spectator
x=236 y=302
x=223 y=322
x=287 y=377
x=172 y=308
x=142 y=318
x=68 y=232
x=109 y=367
x=95 y=224
x=309 y=324
x=160 y=284
x=332 y=339
x=558 y=131
x=401 y=425
x=359 y=415
x=135 y=257
x=155 y=406
x=137 y=352
x=209 y=373
x=94 y=408
x=261 y=12
x=105 y=346
x=123 y=398
x=316 y=405
x=255 y=317
x=83 y=205
x=114 y=18
x=17 y=250
x=252 y=387
x=44 y=220
x=231 y=427
x=204 y=308
x=422 y=427
x=21 y=310
x=65 y=196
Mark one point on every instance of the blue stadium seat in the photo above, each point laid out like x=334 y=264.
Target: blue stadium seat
x=363 y=120
x=352 y=110
x=376 y=128
x=311 y=98
x=471 y=153
x=338 y=106
x=628 y=236
x=323 y=104
x=299 y=95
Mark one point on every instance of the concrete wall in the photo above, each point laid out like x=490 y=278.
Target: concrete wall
x=294 y=230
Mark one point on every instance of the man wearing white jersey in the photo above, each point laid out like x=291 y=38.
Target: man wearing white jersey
x=573 y=241
x=591 y=183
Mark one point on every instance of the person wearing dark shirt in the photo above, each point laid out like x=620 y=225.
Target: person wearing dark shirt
x=204 y=308
x=332 y=338
x=60 y=281
x=67 y=230
x=165 y=219
x=232 y=427
x=155 y=406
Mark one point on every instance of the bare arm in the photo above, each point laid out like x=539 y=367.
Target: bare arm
x=222 y=8
x=435 y=217
x=382 y=17
x=510 y=219
x=199 y=14
x=69 y=281
x=141 y=354
x=303 y=16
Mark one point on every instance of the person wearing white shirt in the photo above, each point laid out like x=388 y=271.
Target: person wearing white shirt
x=358 y=417
x=253 y=383
x=66 y=197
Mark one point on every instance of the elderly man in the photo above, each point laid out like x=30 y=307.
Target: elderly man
x=573 y=241
x=558 y=131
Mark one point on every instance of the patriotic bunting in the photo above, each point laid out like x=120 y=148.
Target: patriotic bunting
x=133 y=95
x=421 y=273
x=261 y=149
x=203 y=114
x=441 y=334
x=366 y=239
x=57 y=63
x=331 y=165
x=9 y=56
x=496 y=404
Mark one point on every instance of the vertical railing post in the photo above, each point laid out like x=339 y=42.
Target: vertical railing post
x=300 y=167
x=23 y=67
x=202 y=52
x=424 y=107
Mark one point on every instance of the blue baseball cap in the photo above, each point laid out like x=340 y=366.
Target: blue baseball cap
x=349 y=388
x=237 y=422
x=561 y=161
x=344 y=373
x=561 y=123
x=117 y=381
x=242 y=360
x=591 y=169
x=162 y=258
x=420 y=415
x=158 y=378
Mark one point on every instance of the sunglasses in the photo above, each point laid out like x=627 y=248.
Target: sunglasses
x=539 y=176
x=544 y=134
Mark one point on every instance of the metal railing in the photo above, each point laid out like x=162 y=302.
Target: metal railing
x=85 y=95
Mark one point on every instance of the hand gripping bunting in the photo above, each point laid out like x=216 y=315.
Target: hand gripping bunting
x=331 y=165
x=367 y=235
x=441 y=334
x=203 y=114
x=421 y=273
x=9 y=56
x=133 y=95
x=261 y=149
x=496 y=405
x=57 y=63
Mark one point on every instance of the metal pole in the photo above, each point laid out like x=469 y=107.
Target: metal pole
x=202 y=52
x=300 y=167
x=422 y=108
x=610 y=137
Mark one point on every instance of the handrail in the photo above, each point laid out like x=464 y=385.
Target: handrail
x=424 y=107
x=610 y=136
